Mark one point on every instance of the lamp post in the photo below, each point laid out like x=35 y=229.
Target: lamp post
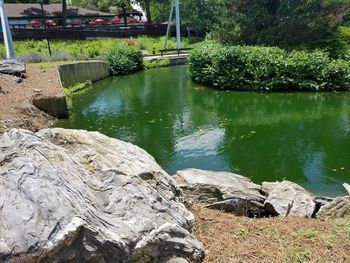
x=177 y=11
x=6 y=32
x=43 y=16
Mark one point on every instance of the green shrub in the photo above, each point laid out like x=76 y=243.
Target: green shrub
x=267 y=69
x=124 y=59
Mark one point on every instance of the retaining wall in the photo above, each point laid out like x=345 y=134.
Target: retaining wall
x=71 y=74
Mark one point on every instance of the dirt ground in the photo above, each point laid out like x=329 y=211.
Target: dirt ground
x=16 y=109
x=230 y=239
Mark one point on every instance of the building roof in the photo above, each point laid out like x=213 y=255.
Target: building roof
x=51 y=11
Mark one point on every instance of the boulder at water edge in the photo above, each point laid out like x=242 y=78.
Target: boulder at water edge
x=77 y=196
x=221 y=190
x=287 y=198
x=338 y=208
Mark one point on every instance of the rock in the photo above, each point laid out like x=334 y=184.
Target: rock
x=347 y=187
x=319 y=202
x=221 y=190
x=287 y=198
x=267 y=187
x=78 y=196
x=12 y=67
x=338 y=208
x=56 y=106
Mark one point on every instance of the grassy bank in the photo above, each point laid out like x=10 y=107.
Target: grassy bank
x=257 y=68
x=228 y=238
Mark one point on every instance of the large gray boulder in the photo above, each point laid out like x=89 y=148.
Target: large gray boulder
x=221 y=190
x=287 y=198
x=338 y=208
x=77 y=196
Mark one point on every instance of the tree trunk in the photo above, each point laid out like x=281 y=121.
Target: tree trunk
x=64 y=13
x=125 y=19
x=148 y=11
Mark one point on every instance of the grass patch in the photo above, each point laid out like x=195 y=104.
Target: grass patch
x=157 y=63
x=77 y=87
x=307 y=233
x=44 y=65
x=298 y=254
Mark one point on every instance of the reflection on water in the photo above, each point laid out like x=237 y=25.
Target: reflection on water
x=302 y=137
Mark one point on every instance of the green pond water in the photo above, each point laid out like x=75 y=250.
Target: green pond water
x=302 y=137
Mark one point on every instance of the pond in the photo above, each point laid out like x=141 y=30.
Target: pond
x=301 y=137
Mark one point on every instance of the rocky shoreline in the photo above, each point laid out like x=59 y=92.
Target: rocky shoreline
x=78 y=196
x=239 y=195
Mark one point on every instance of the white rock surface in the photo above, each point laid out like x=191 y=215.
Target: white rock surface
x=347 y=187
x=77 y=196
x=285 y=194
x=221 y=190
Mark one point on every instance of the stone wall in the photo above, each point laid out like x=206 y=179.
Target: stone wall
x=71 y=74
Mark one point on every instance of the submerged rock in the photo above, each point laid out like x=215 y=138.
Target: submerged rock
x=287 y=198
x=221 y=190
x=338 y=208
x=78 y=196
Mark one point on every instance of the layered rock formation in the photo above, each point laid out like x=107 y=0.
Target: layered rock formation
x=77 y=196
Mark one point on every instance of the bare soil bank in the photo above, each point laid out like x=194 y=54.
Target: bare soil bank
x=16 y=108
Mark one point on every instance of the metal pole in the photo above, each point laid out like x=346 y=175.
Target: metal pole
x=44 y=21
x=169 y=23
x=178 y=31
x=6 y=32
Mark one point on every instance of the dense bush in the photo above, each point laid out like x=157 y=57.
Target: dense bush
x=267 y=68
x=124 y=59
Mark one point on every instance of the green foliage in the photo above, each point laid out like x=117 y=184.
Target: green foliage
x=157 y=63
x=102 y=5
x=267 y=69
x=337 y=45
x=279 y=22
x=201 y=15
x=124 y=59
x=92 y=49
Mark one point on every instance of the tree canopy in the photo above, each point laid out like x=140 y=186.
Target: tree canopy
x=279 y=22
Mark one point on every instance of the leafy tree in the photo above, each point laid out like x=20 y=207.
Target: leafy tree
x=280 y=22
x=202 y=15
x=123 y=5
x=146 y=5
